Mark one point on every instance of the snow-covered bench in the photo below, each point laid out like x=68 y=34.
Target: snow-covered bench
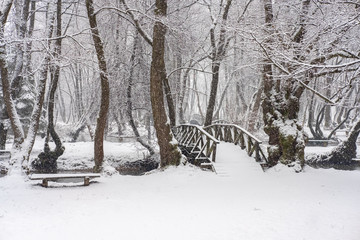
x=4 y=154
x=53 y=177
x=321 y=143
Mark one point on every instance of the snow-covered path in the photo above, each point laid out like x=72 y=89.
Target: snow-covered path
x=188 y=203
x=232 y=161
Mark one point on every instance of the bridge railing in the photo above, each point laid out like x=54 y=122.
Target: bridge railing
x=199 y=143
x=239 y=136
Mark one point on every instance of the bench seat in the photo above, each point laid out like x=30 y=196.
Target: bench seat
x=53 y=177
x=4 y=154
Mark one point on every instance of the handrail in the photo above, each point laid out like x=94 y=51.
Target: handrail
x=240 y=128
x=238 y=135
x=202 y=131
x=197 y=144
x=220 y=121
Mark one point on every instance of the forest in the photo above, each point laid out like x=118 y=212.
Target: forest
x=169 y=119
x=285 y=71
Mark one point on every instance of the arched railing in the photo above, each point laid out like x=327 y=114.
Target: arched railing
x=198 y=145
x=239 y=136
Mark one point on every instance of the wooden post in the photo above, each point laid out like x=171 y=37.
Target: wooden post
x=86 y=181
x=45 y=183
x=257 y=154
x=242 y=141
x=249 y=145
x=214 y=152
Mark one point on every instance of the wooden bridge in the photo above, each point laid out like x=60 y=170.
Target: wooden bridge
x=199 y=144
x=196 y=144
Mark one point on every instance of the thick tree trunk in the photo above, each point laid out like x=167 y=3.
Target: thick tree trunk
x=169 y=152
x=280 y=111
x=105 y=91
x=8 y=100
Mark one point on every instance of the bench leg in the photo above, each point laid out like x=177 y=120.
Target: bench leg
x=45 y=183
x=86 y=181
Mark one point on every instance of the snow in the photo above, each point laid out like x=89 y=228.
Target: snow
x=187 y=203
x=80 y=155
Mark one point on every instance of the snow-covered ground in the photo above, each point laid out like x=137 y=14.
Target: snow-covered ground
x=187 y=203
x=80 y=155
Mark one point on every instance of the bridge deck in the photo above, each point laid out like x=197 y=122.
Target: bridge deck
x=232 y=161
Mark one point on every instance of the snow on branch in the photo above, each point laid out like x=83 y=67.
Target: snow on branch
x=316 y=92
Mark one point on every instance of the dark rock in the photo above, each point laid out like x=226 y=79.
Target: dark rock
x=138 y=167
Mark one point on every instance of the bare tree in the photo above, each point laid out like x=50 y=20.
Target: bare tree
x=129 y=96
x=6 y=88
x=47 y=159
x=105 y=91
x=217 y=55
x=169 y=152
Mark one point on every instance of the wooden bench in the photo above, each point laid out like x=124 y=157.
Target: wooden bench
x=53 y=177
x=4 y=154
x=321 y=143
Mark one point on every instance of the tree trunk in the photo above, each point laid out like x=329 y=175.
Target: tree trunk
x=280 y=111
x=38 y=107
x=253 y=111
x=27 y=71
x=183 y=91
x=170 y=103
x=328 y=119
x=342 y=155
x=105 y=91
x=169 y=152
x=46 y=161
x=129 y=98
x=213 y=92
x=223 y=94
x=3 y=134
x=218 y=53
x=17 y=79
x=8 y=100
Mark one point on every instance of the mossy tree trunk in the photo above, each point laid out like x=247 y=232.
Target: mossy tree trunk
x=281 y=102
